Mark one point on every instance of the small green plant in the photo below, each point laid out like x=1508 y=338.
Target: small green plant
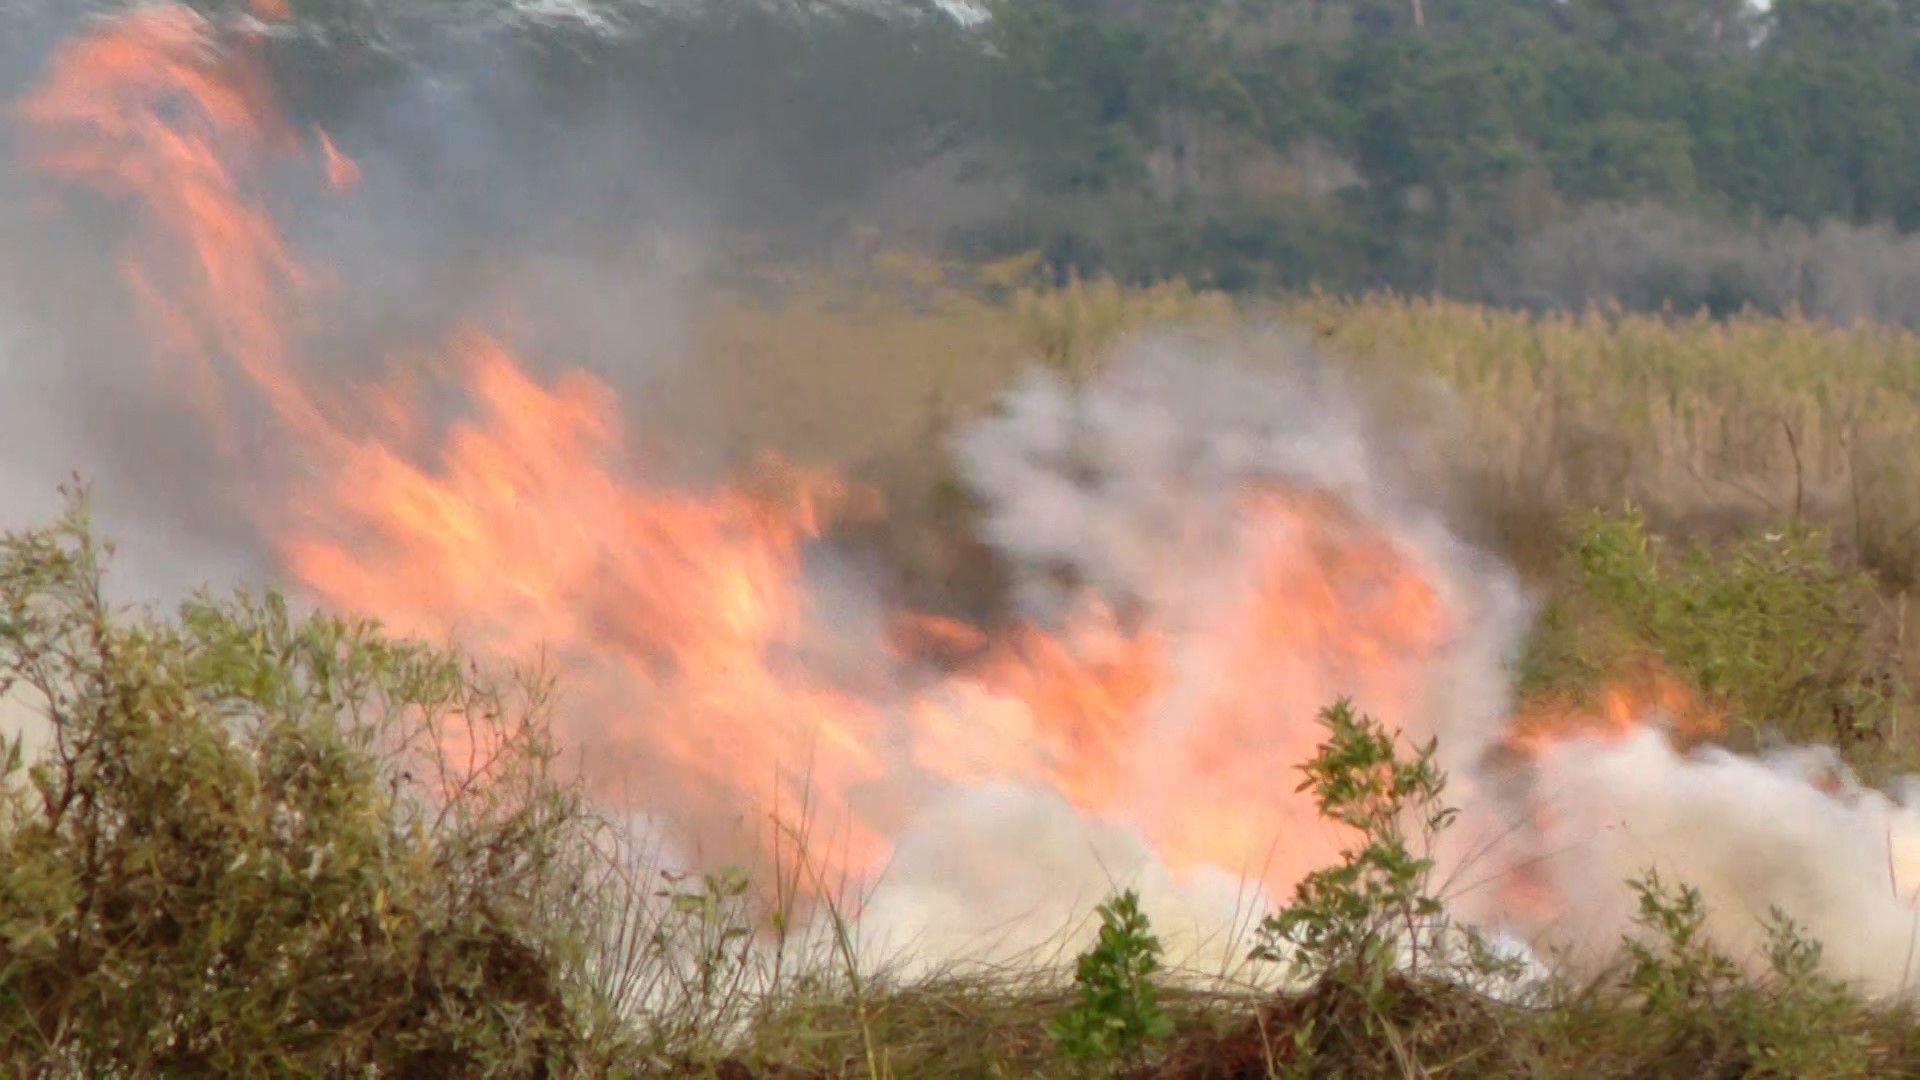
x=1393 y=984
x=1680 y=967
x=1794 y=1021
x=1116 y=1014
x=699 y=943
x=1349 y=922
x=1810 y=1017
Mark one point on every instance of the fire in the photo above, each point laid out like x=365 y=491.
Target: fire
x=1080 y=696
x=1629 y=699
x=518 y=529
x=1643 y=693
x=151 y=108
x=1338 y=609
x=677 y=607
x=1339 y=591
x=682 y=618
x=342 y=171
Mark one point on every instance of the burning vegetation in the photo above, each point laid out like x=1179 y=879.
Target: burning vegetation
x=1202 y=554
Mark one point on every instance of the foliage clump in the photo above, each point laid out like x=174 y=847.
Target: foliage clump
x=1117 y=1011
x=1352 y=921
x=1771 y=628
x=257 y=844
x=1387 y=970
x=1697 y=1006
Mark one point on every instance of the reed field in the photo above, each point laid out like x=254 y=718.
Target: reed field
x=1707 y=425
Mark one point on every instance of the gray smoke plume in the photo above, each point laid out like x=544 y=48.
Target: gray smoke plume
x=1129 y=492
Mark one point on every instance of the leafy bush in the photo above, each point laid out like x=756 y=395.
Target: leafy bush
x=1390 y=976
x=1117 y=1012
x=695 y=951
x=260 y=844
x=1704 y=1010
x=1770 y=627
x=1349 y=922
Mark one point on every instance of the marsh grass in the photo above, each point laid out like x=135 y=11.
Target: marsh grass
x=1707 y=424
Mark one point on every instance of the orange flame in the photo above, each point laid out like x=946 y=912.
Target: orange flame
x=156 y=106
x=1643 y=693
x=1080 y=696
x=342 y=172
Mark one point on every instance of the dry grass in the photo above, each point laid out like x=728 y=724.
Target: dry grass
x=1709 y=426
x=1704 y=422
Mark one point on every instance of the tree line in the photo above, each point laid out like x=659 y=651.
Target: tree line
x=1451 y=134
x=1474 y=148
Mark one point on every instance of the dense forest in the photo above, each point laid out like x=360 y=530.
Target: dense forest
x=1548 y=153
x=1477 y=146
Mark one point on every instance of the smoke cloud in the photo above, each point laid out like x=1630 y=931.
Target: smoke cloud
x=1753 y=835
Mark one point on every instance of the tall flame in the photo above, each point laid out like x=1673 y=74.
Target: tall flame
x=150 y=108
x=518 y=528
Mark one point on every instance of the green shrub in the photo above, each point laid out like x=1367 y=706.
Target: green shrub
x=1393 y=983
x=1769 y=627
x=1703 y=1010
x=1350 y=922
x=696 y=952
x=1116 y=1014
x=257 y=845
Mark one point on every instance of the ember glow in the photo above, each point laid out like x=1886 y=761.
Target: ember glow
x=1204 y=556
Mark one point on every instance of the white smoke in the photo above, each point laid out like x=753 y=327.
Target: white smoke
x=1136 y=483
x=1129 y=491
x=1751 y=834
x=1006 y=875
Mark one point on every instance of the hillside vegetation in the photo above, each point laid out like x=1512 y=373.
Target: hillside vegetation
x=250 y=850
x=1548 y=155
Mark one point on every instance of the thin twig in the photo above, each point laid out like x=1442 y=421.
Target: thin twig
x=1799 y=474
